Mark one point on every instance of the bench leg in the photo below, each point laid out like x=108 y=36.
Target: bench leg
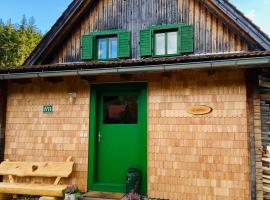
x=5 y=196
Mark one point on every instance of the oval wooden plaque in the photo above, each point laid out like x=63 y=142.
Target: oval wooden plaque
x=199 y=110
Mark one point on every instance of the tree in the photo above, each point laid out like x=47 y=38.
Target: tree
x=17 y=41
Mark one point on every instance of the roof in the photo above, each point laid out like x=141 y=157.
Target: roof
x=78 y=7
x=139 y=62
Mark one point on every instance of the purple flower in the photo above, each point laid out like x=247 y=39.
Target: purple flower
x=133 y=196
x=71 y=189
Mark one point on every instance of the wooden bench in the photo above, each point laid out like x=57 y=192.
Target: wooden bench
x=34 y=169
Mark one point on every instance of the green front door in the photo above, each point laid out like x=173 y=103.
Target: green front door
x=119 y=138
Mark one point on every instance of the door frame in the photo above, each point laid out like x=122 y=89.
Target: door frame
x=95 y=89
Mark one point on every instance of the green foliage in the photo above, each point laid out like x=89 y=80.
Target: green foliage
x=17 y=41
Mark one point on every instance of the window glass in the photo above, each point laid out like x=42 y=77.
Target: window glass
x=160 y=43
x=120 y=110
x=102 y=48
x=172 y=42
x=113 y=47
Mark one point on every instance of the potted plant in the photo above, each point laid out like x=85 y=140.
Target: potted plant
x=133 y=196
x=72 y=192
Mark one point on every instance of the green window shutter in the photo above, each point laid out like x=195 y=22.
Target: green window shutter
x=124 y=46
x=87 y=47
x=186 y=39
x=146 y=42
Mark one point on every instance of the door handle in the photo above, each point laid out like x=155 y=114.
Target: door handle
x=99 y=136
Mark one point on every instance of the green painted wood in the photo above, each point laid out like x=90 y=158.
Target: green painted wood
x=122 y=145
x=87 y=47
x=186 y=42
x=123 y=38
x=124 y=45
x=146 y=43
x=185 y=39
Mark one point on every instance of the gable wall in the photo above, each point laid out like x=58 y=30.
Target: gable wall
x=211 y=35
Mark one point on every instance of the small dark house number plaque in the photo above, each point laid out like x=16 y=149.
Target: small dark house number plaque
x=47 y=108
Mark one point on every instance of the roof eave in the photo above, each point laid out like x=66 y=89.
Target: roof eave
x=239 y=63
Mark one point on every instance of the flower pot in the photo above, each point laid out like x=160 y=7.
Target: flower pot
x=70 y=197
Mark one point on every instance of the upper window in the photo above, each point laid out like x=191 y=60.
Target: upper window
x=106 y=45
x=166 y=43
x=167 y=40
x=107 y=48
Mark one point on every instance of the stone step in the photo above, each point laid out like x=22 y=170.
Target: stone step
x=101 y=196
x=90 y=198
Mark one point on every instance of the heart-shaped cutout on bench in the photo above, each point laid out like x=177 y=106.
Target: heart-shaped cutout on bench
x=34 y=168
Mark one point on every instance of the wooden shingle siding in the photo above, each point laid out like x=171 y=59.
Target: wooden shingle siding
x=211 y=35
x=189 y=157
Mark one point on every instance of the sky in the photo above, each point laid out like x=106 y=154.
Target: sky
x=46 y=12
x=256 y=10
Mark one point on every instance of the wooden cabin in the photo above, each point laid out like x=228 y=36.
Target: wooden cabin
x=170 y=87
